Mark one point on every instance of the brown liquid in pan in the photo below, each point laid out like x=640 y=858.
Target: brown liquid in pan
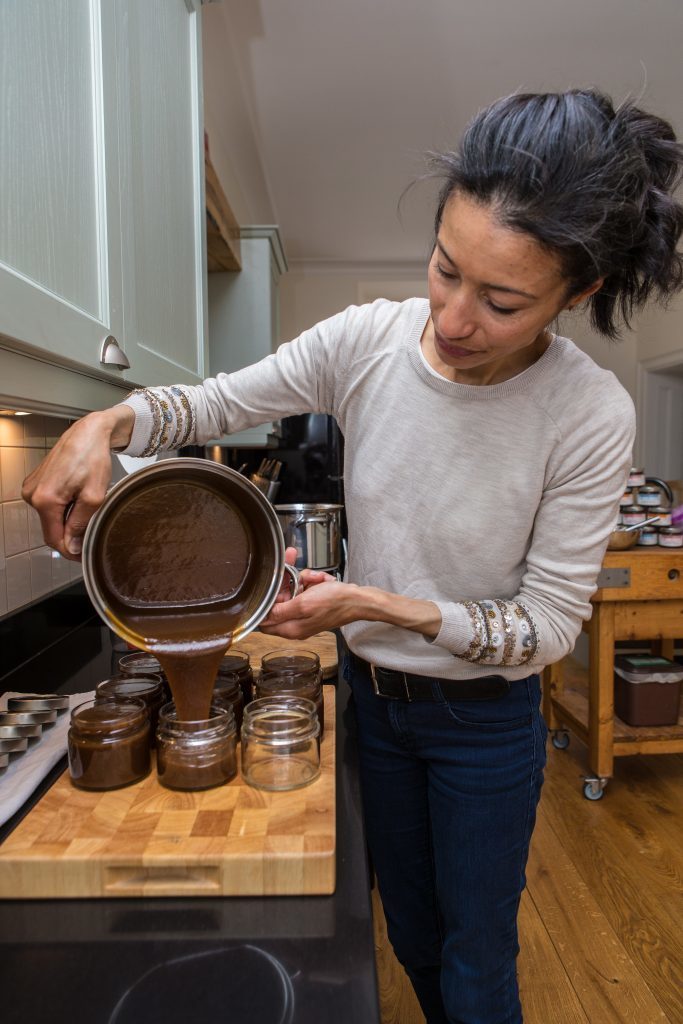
x=178 y=567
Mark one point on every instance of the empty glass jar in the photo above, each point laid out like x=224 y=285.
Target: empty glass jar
x=293 y=684
x=280 y=743
x=196 y=755
x=108 y=743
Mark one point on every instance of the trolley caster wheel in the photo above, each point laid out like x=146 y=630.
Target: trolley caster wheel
x=594 y=789
x=560 y=739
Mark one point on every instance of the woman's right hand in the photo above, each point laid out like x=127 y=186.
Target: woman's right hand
x=71 y=482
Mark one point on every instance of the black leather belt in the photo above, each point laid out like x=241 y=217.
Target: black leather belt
x=394 y=685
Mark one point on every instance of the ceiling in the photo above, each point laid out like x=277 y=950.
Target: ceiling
x=347 y=96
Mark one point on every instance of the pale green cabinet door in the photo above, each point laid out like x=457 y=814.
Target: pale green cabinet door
x=161 y=154
x=60 y=261
x=101 y=186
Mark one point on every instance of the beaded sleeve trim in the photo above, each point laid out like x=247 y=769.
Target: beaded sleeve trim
x=503 y=633
x=173 y=418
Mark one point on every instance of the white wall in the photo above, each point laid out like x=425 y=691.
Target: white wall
x=233 y=143
x=661 y=331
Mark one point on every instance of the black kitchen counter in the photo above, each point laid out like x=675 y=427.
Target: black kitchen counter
x=205 y=960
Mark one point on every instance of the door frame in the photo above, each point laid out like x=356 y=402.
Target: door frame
x=656 y=364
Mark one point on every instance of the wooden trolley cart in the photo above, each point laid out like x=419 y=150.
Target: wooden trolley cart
x=640 y=597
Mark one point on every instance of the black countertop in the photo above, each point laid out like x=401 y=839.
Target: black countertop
x=235 y=959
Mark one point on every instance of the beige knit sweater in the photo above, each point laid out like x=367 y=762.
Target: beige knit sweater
x=495 y=502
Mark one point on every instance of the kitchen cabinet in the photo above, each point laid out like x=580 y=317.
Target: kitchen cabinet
x=101 y=172
x=243 y=314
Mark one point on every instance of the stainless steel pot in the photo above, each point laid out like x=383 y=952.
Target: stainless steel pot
x=315 y=531
x=130 y=570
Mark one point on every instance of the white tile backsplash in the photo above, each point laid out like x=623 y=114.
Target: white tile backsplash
x=34 y=431
x=28 y=568
x=13 y=470
x=35 y=530
x=11 y=431
x=3 y=585
x=15 y=525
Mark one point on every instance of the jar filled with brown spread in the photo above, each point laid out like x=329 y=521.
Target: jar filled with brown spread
x=149 y=689
x=293 y=684
x=108 y=743
x=227 y=693
x=238 y=661
x=196 y=755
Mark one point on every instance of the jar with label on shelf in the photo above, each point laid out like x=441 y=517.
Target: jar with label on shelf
x=636 y=477
x=648 y=496
x=632 y=515
x=663 y=513
x=647 y=537
x=108 y=743
x=196 y=755
x=670 y=537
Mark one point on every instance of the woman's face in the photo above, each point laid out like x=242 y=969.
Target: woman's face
x=492 y=292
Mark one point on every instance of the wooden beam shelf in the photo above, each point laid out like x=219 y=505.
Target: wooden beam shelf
x=222 y=229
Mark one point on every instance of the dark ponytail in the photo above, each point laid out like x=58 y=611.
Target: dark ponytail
x=592 y=184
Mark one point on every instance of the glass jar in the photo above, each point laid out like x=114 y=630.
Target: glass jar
x=140 y=663
x=647 y=537
x=632 y=515
x=148 y=689
x=280 y=743
x=649 y=496
x=293 y=684
x=196 y=755
x=663 y=513
x=227 y=693
x=670 y=537
x=238 y=661
x=108 y=743
x=636 y=477
x=291 y=659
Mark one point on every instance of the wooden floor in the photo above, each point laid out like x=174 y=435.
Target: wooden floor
x=601 y=921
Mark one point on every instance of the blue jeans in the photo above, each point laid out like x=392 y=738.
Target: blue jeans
x=450 y=790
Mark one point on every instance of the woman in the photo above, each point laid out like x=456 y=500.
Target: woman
x=485 y=458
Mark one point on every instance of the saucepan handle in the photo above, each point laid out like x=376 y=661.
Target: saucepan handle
x=294 y=582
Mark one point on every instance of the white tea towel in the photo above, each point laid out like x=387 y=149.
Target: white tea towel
x=26 y=771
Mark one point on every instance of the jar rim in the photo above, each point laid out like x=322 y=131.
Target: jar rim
x=127 y=714
x=222 y=719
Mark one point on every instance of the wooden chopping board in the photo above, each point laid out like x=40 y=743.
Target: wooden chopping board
x=145 y=840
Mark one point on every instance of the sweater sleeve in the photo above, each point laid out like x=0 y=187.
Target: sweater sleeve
x=578 y=510
x=302 y=376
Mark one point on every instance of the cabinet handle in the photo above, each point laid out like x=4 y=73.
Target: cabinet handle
x=112 y=354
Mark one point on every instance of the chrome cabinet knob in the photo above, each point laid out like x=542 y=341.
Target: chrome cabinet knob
x=112 y=354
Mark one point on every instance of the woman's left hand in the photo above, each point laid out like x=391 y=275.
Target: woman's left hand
x=323 y=604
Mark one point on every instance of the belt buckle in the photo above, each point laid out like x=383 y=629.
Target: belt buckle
x=388 y=696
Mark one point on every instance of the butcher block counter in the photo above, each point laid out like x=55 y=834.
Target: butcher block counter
x=298 y=958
